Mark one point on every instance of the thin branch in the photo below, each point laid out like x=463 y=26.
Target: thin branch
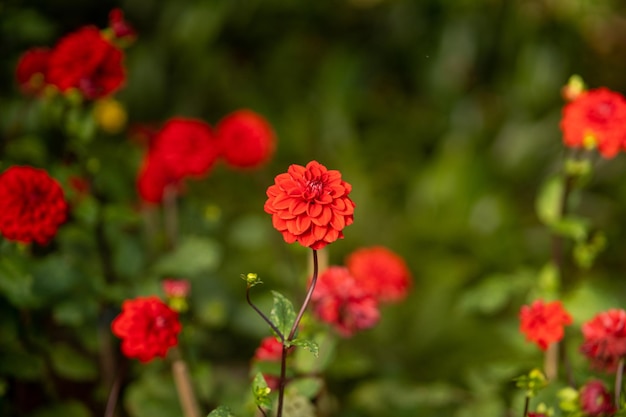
x=263 y=316
x=618 y=382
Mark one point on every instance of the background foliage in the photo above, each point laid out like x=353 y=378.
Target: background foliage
x=443 y=115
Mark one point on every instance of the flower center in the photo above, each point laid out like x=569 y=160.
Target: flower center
x=313 y=189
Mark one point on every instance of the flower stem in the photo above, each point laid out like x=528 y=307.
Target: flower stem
x=526 y=405
x=280 y=335
x=283 y=359
x=184 y=386
x=618 y=382
x=170 y=209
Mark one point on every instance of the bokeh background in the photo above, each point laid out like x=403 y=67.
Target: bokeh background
x=443 y=115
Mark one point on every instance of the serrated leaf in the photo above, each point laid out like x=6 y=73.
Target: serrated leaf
x=309 y=345
x=282 y=315
x=548 y=203
x=221 y=411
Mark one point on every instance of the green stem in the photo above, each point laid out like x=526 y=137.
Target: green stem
x=526 y=405
x=618 y=382
x=280 y=335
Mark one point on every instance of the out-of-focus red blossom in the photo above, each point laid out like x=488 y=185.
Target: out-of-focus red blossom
x=596 y=118
x=380 y=272
x=605 y=339
x=120 y=27
x=270 y=350
x=154 y=178
x=87 y=61
x=536 y=415
x=595 y=400
x=79 y=184
x=147 y=327
x=338 y=299
x=176 y=287
x=310 y=205
x=543 y=323
x=246 y=139
x=31 y=70
x=32 y=205
x=143 y=134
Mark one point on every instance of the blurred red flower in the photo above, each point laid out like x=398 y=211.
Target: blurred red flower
x=380 y=272
x=246 y=139
x=543 y=323
x=153 y=178
x=120 y=27
x=339 y=299
x=147 y=327
x=310 y=205
x=270 y=350
x=605 y=339
x=595 y=400
x=31 y=70
x=87 y=61
x=596 y=118
x=176 y=287
x=32 y=205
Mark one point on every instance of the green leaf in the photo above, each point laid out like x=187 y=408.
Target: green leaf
x=548 y=282
x=221 y=411
x=548 y=204
x=193 y=256
x=282 y=314
x=308 y=387
x=306 y=363
x=69 y=363
x=575 y=228
x=15 y=284
x=309 y=345
x=22 y=365
x=261 y=392
x=66 y=409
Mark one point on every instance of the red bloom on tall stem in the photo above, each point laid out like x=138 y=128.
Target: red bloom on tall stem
x=596 y=118
x=543 y=323
x=31 y=70
x=246 y=139
x=87 y=61
x=147 y=327
x=310 y=205
x=381 y=272
x=32 y=205
x=339 y=299
x=605 y=339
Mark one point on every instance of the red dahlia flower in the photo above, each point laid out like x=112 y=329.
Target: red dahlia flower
x=31 y=70
x=147 y=327
x=32 y=205
x=380 y=272
x=605 y=339
x=339 y=299
x=543 y=323
x=153 y=178
x=596 y=118
x=87 y=61
x=310 y=205
x=595 y=400
x=246 y=139
x=269 y=350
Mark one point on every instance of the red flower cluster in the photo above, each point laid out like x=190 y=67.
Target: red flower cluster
x=595 y=400
x=596 y=118
x=85 y=60
x=310 y=205
x=246 y=139
x=605 y=339
x=543 y=323
x=147 y=327
x=32 y=205
x=182 y=148
x=349 y=297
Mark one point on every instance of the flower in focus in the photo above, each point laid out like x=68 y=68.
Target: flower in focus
x=310 y=205
x=596 y=118
x=87 y=61
x=543 y=323
x=246 y=139
x=31 y=70
x=380 y=272
x=121 y=28
x=605 y=339
x=338 y=299
x=595 y=399
x=32 y=205
x=147 y=327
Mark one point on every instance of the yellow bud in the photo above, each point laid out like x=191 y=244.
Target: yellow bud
x=110 y=115
x=589 y=141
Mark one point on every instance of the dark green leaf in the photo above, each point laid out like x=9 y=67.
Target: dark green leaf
x=282 y=315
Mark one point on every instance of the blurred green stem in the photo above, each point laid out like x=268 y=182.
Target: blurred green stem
x=170 y=209
x=526 y=405
x=619 y=374
x=184 y=386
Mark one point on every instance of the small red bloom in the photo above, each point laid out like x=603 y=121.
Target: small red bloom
x=32 y=205
x=596 y=118
x=605 y=339
x=536 y=415
x=543 y=323
x=31 y=70
x=338 y=299
x=120 y=27
x=595 y=400
x=246 y=139
x=310 y=205
x=270 y=350
x=87 y=61
x=147 y=327
x=380 y=272
x=176 y=287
